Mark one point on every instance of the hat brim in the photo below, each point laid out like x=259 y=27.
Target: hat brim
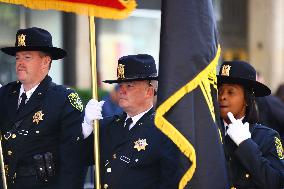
x=129 y=79
x=259 y=89
x=54 y=52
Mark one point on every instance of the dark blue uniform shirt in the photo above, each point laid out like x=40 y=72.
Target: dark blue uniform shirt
x=140 y=158
x=257 y=163
x=49 y=122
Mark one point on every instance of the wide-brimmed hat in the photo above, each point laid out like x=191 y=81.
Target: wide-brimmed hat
x=135 y=68
x=240 y=72
x=35 y=39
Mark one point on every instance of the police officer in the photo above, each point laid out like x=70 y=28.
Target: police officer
x=134 y=153
x=254 y=152
x=40 y=121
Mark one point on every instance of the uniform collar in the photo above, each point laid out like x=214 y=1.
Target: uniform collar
x=137 y=117
x=39 y=89
x=29 y=92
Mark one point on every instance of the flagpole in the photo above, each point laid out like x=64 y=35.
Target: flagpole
x=4 y=182
x=95 y=96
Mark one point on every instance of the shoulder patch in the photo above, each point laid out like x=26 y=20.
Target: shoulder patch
x=279 y=147
x=75 y=101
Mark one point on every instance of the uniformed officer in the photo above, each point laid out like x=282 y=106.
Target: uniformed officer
x=254 y=152
x=134 y=153
x=40 y=121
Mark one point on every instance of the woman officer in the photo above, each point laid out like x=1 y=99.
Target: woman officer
x=254 y=152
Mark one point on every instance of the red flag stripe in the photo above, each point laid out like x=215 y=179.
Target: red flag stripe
x=112 y=9
x=104 y=3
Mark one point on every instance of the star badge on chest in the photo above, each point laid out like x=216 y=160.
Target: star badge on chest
x=38 y=117
x=140 y=144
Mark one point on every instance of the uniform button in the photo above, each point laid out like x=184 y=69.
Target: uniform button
x=109 y=170
x=6 y=168
x=10 y=152
x=114 y=156
x=105 y=186
x=247 y=175
x=78 y=138
x=14 y=135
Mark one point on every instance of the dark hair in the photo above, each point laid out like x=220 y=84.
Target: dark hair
x=252 y=115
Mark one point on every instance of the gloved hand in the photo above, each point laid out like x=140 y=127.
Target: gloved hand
x=93 y=111
x=238 y=131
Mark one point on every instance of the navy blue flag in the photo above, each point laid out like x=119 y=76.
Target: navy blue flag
x=186 y=112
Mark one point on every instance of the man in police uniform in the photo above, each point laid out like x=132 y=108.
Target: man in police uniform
x=134 y=153
x=40 y=121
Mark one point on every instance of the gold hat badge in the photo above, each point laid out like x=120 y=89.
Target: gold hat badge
x=226 y=70
x=120 y=71
x=140 y=144
x=21 y=40
x=38 y=117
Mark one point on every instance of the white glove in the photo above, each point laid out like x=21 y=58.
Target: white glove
x=93 y=111
x=238 y=131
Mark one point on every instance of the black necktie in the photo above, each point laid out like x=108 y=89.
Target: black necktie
x=23 y=101
x=128 y=123
x=226 y=128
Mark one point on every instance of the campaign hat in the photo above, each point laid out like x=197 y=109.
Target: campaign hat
x=135 y=68
x=35 y=39
x=241 y=72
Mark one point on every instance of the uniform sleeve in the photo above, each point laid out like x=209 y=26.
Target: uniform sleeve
x=267 y=167
x=277 y=111
x=168 y=169
x=71 y=154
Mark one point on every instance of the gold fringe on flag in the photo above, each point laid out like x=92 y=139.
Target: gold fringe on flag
x=89 y=9
x=203 y=80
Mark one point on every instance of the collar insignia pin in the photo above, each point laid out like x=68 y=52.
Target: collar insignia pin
x=38 y=117
x=140 y=144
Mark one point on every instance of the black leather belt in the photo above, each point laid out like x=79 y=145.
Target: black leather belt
x=24 y=171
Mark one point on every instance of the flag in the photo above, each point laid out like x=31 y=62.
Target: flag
x=187 y=99
x=114 y=9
